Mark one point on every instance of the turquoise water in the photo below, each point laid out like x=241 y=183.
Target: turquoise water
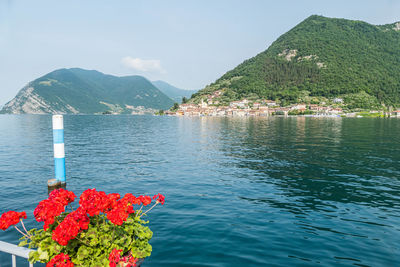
x=239 y=191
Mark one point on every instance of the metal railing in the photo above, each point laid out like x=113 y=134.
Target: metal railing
x=15 y=251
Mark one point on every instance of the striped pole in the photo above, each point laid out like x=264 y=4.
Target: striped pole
x=58 y=143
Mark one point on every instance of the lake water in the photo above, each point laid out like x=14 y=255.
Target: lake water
x=239 y=191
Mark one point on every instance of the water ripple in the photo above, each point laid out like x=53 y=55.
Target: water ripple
x=240 y=191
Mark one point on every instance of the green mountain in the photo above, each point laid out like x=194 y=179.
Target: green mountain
x=173 y=92
x=88 y=92
x=321 y=57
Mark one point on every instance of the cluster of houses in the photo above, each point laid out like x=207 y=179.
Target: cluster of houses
x=244 y=107
x=211 y=106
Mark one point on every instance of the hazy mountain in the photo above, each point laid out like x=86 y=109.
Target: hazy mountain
x=86 y=91
x=173 y=92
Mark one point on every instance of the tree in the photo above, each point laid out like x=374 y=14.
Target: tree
x=175 y=107
x=184 y=100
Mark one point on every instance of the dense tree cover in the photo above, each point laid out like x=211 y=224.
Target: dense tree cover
x=330 y=57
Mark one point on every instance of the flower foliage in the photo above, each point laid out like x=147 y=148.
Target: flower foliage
x=105 y=230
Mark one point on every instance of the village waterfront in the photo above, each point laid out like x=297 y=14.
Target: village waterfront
x=216 y=105
x=240 y=191
x=267 y=107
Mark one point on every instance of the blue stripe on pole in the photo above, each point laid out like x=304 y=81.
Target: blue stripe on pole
x=58 y=136
x=59 y=167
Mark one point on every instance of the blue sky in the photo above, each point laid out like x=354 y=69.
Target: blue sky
x=186 y=43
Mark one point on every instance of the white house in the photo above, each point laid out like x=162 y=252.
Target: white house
x=338 y=100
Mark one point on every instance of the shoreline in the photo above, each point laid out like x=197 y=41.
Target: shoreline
x=348 y=115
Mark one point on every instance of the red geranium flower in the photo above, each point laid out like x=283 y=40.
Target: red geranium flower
x=129 y=261
x=94 y=201
x=63 y=196
x=50 y=208
x=60 y=260
x=112 y=200
x=115 y=257
x=47 y=210
x=120 y=212
x=146 y=200
x=11 y=218
x=72 y=225
x=129 y=198
x=160 y=198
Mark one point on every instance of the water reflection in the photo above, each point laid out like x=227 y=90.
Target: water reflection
x=335 y=176
x=315 y=160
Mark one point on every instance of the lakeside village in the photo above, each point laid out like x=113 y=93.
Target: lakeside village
x=211 y=107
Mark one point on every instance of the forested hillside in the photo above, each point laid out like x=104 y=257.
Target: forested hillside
x=324 y=57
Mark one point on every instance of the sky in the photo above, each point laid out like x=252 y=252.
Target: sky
x=186 y=43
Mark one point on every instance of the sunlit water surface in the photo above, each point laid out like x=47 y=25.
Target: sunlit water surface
x=239 y=191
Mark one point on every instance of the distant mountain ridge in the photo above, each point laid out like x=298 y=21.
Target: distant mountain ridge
x=79 y=91
x=173 y=92
x=320 y=57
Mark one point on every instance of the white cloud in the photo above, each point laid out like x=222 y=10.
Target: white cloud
x=144 y=65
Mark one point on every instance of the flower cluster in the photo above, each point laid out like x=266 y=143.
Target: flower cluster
x=53 y=206
x=89 y=225
x=160 y=198
x=11 y=218
x=62 y=196
x=71 y=226
x=60 y=260
x=145 y=200
x=129 y=261
x=120 y=212
x=94 y=201
x=115 y=258
x=123 y=207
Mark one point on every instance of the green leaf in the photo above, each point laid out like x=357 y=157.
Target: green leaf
x=93 y=242
x=83 y=253
x=43 y=255
x=33 y=256
x=23 y=243
x=106 y=241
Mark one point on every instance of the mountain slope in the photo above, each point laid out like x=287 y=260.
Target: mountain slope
x=173 y=92
x=86 y=91
x=320 y=57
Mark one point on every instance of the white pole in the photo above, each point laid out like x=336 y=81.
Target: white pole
x=58 y=144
